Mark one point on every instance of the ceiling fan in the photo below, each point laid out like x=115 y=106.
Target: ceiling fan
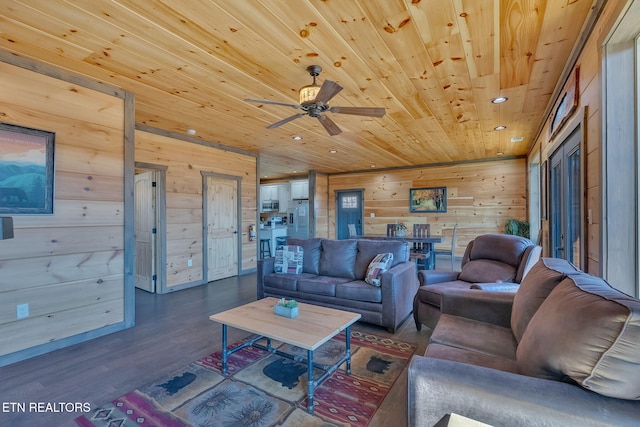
x=313 y=102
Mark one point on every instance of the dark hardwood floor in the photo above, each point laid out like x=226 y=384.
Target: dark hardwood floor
x=171 y=331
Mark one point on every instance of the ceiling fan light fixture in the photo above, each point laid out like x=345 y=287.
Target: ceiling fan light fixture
x=308 y=93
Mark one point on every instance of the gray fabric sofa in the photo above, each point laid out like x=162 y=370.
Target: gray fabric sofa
x=564 y=350
x=333 y=275
x=490 y=261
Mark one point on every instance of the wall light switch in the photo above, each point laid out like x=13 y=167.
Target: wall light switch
x=22 y=311
x=372 y=214
x=189 y=262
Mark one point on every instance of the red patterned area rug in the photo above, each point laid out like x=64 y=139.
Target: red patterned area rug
x=263 y=389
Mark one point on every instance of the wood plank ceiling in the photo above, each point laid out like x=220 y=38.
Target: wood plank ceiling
x=434 y=66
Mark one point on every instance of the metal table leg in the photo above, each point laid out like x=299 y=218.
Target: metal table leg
x=311 y=385
x=347 y=333
x=224 y=349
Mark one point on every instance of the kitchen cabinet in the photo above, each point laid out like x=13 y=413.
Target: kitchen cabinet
x=299 y=189
x=284 y=195
x=268 y=192
x=278 y=192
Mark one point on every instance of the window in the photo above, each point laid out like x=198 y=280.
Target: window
x=349 y=202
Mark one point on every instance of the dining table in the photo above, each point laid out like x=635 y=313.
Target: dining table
x=427 y=242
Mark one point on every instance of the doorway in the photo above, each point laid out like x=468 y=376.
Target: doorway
x=349 y=210
x=566 y=200
x=221 y=237
x=149 y=205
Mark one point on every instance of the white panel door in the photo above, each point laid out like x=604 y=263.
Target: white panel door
x=222 y=228
x=145 y=225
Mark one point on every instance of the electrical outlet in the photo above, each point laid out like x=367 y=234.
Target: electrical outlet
x=22 y=311
x=189 y=262
x=372 y=215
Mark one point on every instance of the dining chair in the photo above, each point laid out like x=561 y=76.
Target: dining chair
x=391 y=230
x=352 y=230
x=450 y=252
x=420 y=252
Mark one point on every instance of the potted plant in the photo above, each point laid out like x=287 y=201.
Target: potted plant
x=517 y=227
x=286 y=308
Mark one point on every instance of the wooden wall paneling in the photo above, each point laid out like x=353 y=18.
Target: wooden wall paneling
x=57 y=269
x=185 y=158
x=318 y=204
x=480 y=197
x=76 y=284
x=67 y=323
x=65 y=240
x=64 y=296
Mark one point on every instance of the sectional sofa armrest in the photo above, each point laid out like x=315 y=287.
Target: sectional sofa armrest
x=265 y=266
x=497 y=286
x=439 y=387
x=485 y=306
x=431 y=277
x=399 y=286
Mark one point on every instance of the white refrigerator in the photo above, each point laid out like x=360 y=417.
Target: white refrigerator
x=298 y=219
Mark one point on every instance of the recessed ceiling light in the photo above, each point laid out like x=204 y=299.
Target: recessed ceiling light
x=372 y=166
x=297 y=137
x=191 y=131
x=499 y=153
x=333 y=151
x=501 y=127
x=499 y=100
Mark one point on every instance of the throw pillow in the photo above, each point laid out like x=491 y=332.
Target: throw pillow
x=377 y=266
x=588 y=332
x=288 y=260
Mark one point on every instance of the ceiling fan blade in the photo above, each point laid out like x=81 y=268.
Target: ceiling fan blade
x=360 y=111
x=264 y=101
x=328 y=90
x=329 y=125
x=283 y=121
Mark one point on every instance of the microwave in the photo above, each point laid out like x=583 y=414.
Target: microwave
x=270 y=206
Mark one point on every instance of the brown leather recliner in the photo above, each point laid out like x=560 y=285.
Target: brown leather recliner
x=491 y=261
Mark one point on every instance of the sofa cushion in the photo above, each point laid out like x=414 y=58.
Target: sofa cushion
x=288 y=259
x=338 y=258
x=534 y=289
x=368 y=249
x=500 y=247
x=286 y=282
x=461 y=332
x=378 y=265
x=586 y=331
x=432 y=294
x=487 y=270
x=358 y=290
x=440 y=351
x=311 y=249
x=320 y=285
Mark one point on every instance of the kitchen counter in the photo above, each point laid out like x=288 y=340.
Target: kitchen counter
x=272 y=233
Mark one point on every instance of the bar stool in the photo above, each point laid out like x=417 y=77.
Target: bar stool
x=265 y=248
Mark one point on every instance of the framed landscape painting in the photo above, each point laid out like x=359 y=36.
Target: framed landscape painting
x=26 y=170
x=428 y=199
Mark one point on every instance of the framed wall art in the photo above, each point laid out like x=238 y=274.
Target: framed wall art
x=26 y=170
x=568 y=103
x=432 y=199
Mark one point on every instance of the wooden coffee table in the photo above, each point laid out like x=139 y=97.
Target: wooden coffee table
x=313 y=327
